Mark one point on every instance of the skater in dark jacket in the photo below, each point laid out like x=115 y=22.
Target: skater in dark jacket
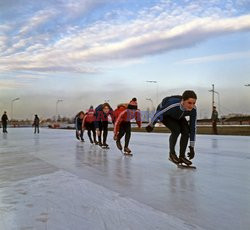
x=79 y=126
x=88 y=123
x=5 y=122
x=102 y=112
x=172 y=112
x=36 y=124
x=123 y=123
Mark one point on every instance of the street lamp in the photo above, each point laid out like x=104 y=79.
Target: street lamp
x=57 y=102
x=12 y=104
x=157 y=89
x=213 y=92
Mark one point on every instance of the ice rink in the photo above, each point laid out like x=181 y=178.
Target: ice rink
x=52 y=181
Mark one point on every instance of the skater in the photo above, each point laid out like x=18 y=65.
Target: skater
x=88 y=123
x=214 y=119
x=172 y=112
x=79 y=126
x=123 y=115
x=36 y=123
x=101 y=123
x=5 y=122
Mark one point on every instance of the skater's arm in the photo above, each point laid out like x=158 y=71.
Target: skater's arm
x=162 y=109
x=118 y=122
x=193 y=124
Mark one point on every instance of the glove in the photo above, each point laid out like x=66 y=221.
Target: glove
x=191 y=153
x=149 y=128
x=115 y=137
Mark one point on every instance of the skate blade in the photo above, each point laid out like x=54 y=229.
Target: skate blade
x=127 y=154
x=181 y=166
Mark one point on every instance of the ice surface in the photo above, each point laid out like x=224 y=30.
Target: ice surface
x=52 y=181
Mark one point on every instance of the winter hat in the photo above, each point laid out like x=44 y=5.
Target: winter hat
x=133 y=104
x=91 y=107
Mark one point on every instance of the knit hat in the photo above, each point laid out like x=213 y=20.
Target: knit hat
x=133 y=104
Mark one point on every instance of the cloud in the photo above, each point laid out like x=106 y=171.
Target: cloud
x=218 y=57
x=47 y=44
x=11 y=84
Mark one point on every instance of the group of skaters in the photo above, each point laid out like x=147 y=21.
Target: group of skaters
x=95 y=122
x=171 y=112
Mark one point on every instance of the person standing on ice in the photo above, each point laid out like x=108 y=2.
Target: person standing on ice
x=4 y=122
x=78 y=125
x=102 y=112
x=215 y=119
x=124 y=114
x=36 y=123
x=88 y=123
x=172 y=112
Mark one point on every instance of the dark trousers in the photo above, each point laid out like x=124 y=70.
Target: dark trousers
x=91 y=128
x=177 y=127
x=36 y=129
x=4 y=127
x=103 y=128
x=79 y=136
x=215 y=131
x=125 y=129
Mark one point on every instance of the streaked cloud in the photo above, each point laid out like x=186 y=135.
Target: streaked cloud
x=218 y=57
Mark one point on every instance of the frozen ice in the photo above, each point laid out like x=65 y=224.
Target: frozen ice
x=52 y=181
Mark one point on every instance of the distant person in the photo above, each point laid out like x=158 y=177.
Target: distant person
x=102 y=112
x=78 y=125
x=5 y=122
x=172 y=112
x=88 y=123
x=215 y=119
x=123 y=116
x=36 y=123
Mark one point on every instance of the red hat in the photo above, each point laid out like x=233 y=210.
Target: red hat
x=133 y=104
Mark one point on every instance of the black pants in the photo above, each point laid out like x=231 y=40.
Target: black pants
x=4 y=127
x=91 y=128
x=125 y=129
x=36 y=129
x=79 y=136
x=215 y=131
x=103 y=128
x=177 y=127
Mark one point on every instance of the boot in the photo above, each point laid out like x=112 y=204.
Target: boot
x=173 y=157
x=119 y=145
x=183 y=159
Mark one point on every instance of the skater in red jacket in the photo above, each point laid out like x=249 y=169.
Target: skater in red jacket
x=88 y=123
x=123 y=123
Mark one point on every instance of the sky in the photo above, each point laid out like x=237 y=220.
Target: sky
x=86 y=52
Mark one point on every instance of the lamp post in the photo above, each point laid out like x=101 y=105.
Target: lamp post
x=12 y=106
x=215 y=92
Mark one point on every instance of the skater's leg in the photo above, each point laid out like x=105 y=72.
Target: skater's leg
x=128 y=134
x=184 y=136
x=38 y=129
x=175 y=129
x=105 y=132
x=93 y=131
x=100 y=133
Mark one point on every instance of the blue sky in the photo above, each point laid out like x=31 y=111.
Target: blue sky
x=88 y=51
